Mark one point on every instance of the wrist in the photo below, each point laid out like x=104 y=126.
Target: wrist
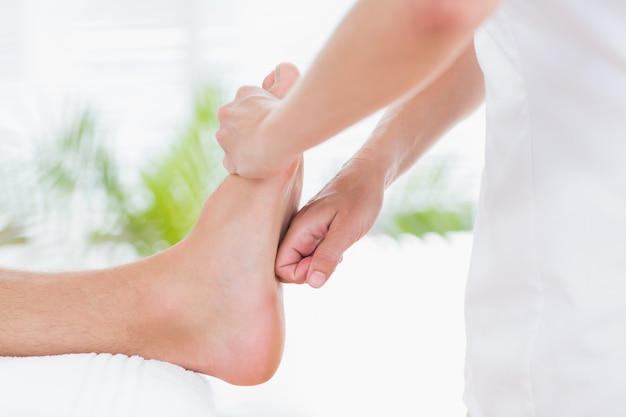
x=365 y=171
x=274 y=143
x=378 y=163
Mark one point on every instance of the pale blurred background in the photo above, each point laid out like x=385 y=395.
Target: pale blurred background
x=130 y=87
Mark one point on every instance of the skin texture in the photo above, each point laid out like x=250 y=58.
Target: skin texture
x=211 y=303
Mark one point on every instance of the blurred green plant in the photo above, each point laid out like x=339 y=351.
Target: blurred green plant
x=76 y=178
x=11 y=234
x=173 y=187
x=427 y=202
x=74 y=182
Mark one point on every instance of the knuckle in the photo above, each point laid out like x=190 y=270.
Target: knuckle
x=223 y=111
x=220 y=136
x=292 y=279
x=243 y=91
x=327 y=257
x=229 y=166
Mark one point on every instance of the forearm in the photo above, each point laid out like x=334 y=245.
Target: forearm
x=410 y=127
x=381 y=50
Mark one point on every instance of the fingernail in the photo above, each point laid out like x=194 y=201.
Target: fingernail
x=317 y=279
x=277 y=73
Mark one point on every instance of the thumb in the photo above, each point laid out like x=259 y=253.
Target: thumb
x=280 y=80
x=327 y=256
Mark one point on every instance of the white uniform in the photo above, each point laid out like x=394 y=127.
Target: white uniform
x=546 y=296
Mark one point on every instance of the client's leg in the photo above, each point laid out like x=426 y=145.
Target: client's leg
x=210 y=304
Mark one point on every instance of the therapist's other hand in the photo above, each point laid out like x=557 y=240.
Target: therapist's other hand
x=242 y=123
x=339 y=215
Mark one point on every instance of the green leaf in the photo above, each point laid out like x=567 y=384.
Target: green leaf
x=427 y=202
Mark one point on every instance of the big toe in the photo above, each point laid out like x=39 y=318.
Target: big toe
x=282 y=79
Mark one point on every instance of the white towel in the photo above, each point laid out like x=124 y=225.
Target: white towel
x=99 y=385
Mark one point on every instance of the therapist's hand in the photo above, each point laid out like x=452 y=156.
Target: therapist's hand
x=339 y=215
x=243 y=124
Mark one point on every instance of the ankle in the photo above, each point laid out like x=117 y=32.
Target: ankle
x=160 y=322
x=182 y=322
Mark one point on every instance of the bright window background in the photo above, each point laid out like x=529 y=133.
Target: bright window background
x=385 y=337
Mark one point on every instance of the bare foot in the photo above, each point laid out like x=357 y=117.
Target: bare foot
x=219 y=307
x=223 y=311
